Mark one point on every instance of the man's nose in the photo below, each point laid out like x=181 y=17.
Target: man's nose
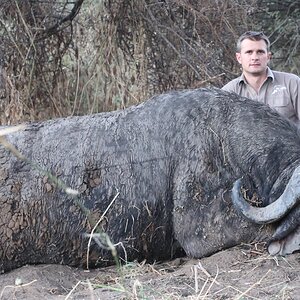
x=254 y=56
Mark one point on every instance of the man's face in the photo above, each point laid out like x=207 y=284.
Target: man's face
x=254 y=57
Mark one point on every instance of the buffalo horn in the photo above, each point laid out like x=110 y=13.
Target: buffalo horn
x=274 y=211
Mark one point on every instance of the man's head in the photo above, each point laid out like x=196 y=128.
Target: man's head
x=253 y=36
x=253 y=52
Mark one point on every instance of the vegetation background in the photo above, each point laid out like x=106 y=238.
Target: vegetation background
x=73 y=57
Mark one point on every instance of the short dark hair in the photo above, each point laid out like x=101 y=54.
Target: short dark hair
x=253 y=36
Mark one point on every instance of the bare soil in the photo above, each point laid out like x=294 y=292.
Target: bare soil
x=244 y=272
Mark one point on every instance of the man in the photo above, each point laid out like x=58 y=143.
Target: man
x=279 y=90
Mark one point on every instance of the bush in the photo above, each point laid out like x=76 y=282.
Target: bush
x=62 y=58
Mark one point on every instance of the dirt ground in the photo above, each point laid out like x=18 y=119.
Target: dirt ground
x=244 y=272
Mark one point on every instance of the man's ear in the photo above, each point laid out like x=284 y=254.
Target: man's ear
x=238 y=57
x=269 y=55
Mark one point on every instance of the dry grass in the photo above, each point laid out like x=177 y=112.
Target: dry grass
x=118 y=53
x=230 y=274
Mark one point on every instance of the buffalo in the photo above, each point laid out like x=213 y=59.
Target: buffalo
x=153 y=181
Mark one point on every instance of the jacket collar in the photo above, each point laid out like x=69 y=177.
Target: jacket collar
x=270 y=74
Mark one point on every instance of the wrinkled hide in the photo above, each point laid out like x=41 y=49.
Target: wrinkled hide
x=169 y=164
